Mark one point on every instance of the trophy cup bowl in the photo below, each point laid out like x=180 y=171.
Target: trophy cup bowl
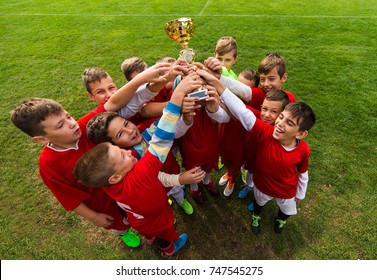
x=181 y=30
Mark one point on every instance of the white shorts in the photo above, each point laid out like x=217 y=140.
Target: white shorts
x=287 y=206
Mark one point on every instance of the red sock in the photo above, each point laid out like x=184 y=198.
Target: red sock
x=169 y=250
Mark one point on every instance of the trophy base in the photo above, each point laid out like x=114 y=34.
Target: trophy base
x=188 y=55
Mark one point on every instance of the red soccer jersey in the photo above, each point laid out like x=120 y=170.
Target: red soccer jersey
x=163 y=95
x=144 y=197
x=276 y=170
x=56 y=169
x=232 y=141
x=258 y=95
x=143 y=123
x=200 y=145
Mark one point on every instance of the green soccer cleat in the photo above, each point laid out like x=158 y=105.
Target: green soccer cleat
x=187 y=207
x=255 y=224
x=130 y=239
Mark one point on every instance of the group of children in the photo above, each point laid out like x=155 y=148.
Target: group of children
x=117 y=165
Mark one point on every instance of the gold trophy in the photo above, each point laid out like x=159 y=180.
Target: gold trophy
x=181 y=30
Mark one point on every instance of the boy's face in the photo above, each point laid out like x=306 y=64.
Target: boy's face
x=287 y=129
x=122 y=159
x=102 y=91
x=272 y=80
x=245 y=81
x=227 y=60
x=124 y=133
x=62 y=131
x=270 y=110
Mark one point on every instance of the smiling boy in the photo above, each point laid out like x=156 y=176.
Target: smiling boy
x=272 y=74
x=282 y=157
x=65 y=141
x=134 y=184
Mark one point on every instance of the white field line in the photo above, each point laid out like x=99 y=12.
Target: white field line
x=177 y=15
x=204 y=8
x=15 y=4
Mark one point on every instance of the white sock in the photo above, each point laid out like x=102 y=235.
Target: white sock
x=194 y=187
x=207 y=178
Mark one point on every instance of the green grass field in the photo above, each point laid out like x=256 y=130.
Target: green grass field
x=330 y=50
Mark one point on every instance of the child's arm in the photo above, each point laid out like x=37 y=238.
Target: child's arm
x=142 y=95
x=163 y=137
x=234 y=104
x=241 y=90
x=187 y=118
x=220 y=116
x=303 y=179
x=182 y=127
x=98 y=219
x=125 y=93
x=213 y=107
x=238 y=88
x=212 y=103
x=153 y=109
x=184 y=123
x=189 y=177
x=179 y=67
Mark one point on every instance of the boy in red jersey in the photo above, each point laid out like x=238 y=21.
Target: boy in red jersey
x=134 y=184
x=272 y=74
x=100 y=87
x=282 y=155
x=132 y=66
x=199 y=146
x=110 y=127
x=273 y=104
x=232 y=140
x=65 y=142
x=249 y=77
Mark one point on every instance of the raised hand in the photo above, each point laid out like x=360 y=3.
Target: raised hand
x=214 y=65
x=155 y=74
x=179 y=67
x=212 y=103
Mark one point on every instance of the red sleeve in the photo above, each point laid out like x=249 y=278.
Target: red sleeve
x=303 y=165
x=291 y=97
x=83 y=121
x=255 y=111
x=257 y=98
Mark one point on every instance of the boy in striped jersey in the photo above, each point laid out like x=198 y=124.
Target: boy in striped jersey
x=134 y=184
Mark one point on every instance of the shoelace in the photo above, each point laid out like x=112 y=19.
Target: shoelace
x=281 y=223
x=255 y=222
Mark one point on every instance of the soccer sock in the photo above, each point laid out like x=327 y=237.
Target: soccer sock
x=207 y=178
x=249 y=180
x=194 y=187
x=282 y=216
x=257 y=208
x=119 y=232
x=163 y=243
x=166 y=246
x=179 y=196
